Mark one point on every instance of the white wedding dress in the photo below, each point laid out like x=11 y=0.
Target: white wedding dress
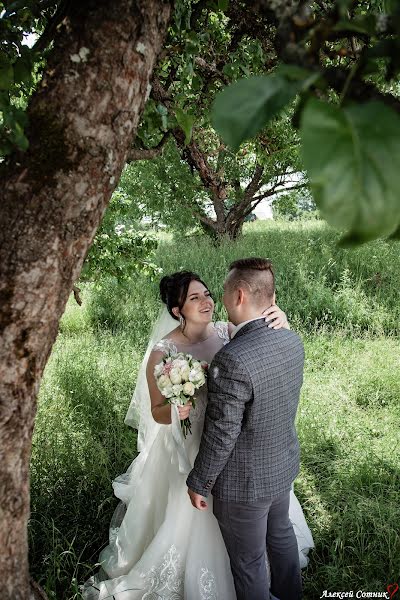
x=163 y=548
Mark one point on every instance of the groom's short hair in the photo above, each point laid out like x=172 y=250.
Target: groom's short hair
x=256 y=274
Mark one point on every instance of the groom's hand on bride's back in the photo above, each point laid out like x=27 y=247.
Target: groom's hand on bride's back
x=197 y=500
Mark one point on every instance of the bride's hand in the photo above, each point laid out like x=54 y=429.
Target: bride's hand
x=184 y=411
x=276 y=317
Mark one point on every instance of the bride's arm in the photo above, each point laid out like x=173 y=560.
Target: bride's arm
x=160 y=411
x=274 y=315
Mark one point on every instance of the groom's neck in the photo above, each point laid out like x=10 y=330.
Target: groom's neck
x=250 y=315
x=251 y=311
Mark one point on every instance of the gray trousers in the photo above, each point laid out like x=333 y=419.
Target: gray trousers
x=249 y=530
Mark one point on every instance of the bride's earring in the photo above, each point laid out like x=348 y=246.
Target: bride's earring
x=181 y=321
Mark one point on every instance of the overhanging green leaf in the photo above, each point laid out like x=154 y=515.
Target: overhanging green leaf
x=241 y=110
x=6 y=73
x=364 y=24
x=22 y=71
x=186 y=122
x=395 y=235
x=352 y=156
x=344 y=6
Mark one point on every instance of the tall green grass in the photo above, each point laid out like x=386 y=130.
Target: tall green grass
x=319 y=284
x=344 y=303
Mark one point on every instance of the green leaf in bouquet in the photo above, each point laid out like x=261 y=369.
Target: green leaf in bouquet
x=352 y=156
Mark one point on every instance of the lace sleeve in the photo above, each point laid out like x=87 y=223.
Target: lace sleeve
x=222 y=330
x=165 y=346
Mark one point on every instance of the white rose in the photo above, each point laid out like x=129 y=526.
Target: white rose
x=188 y=388
x=158 y=369
x=195 y=375
x=201 y=380
x=175 y=376
x=179 y=363
x=168 y=391
x=177 y=389
x=196 y=365
x=163 y=382
x=185 y=372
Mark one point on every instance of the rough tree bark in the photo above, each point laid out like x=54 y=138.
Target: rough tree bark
x=82 y=122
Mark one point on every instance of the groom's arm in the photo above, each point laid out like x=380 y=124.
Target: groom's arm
x=229 y=389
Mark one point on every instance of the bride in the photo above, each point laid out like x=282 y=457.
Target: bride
x=160 y=547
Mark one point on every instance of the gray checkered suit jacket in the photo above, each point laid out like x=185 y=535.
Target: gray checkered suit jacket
x=249 y=448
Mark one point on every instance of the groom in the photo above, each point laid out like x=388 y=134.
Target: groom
x=249 y=452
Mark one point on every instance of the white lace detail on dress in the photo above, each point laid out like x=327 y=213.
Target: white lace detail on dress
x=165 y=581
x=166 y=346
x=221 y=328
x=208 y=585
x=197 y=413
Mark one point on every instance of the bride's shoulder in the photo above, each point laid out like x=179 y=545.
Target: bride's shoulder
x=223 y=331
x=166 y=346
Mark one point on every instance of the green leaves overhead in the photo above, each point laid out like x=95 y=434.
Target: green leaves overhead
x=223 y=4
x=245 y=107
x=352 y=156
x=186 y=122
x=364 y=24
x=241 y=110
x=6 y=73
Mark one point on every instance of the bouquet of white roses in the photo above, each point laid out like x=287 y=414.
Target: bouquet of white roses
x=178 y=376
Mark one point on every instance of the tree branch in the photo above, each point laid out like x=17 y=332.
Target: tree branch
x=148 y=153
x=360 y=90
x=237 y=211
x=272 y=191
x=211 y=69
x=76 y=291
x=254 y=184
x=204 y=219
x=196 y=159
x=50 y=30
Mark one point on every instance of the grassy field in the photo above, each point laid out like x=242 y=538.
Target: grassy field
x=345 y=305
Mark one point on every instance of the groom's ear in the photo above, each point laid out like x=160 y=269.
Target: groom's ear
x=240 y=295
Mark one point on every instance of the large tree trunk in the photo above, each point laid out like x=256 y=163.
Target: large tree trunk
x=82 y=122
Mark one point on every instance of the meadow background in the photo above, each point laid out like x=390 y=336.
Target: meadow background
x=345 y=305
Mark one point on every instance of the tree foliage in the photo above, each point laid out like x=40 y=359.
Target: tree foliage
x=295 y=205
x=266 y=58
x=208 y=49
x=341 y=60
x=119 y=250
x=20 y=64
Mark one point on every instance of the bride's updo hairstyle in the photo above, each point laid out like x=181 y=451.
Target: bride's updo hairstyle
x=174 y=289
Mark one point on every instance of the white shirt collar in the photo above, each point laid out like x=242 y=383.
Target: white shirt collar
x=239 y=327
